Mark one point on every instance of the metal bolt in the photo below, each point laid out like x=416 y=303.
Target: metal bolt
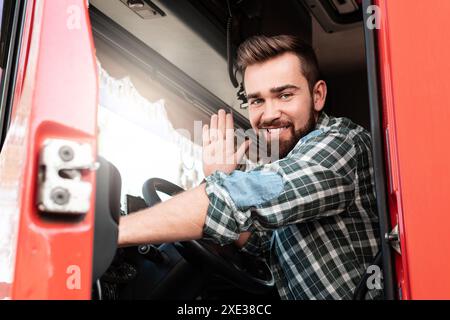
x=143 y=249
x=391 y=237
x=66 y=153
x=60 y=196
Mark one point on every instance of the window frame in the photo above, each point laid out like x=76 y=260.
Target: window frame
x=379 y=154
x=12 y=25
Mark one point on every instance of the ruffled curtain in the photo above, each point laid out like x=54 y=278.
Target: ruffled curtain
x=137 y=136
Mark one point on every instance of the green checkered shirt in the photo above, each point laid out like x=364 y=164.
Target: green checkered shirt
x=319 y=232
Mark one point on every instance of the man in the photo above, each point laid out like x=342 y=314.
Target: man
x=312 y=213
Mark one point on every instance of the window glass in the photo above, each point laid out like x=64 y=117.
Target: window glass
x=136 y=133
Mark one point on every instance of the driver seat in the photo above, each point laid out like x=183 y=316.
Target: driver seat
x=107 y=214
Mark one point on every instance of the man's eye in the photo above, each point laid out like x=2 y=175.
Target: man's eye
x=255 y=102
x=285 y=96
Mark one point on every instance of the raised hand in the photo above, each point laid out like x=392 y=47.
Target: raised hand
x=219 y=152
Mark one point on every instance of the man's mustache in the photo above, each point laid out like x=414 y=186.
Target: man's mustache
x=274 y=124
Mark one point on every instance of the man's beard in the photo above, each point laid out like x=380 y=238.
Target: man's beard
x=285 y=146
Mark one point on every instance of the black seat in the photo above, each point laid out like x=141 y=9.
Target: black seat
x=107 y=214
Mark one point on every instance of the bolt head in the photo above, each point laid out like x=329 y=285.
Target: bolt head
x=66 y=153
x=60 y=196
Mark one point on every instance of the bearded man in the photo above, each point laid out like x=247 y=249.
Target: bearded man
x=312 y=212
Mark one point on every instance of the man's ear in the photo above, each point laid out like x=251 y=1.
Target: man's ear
x=319 y=95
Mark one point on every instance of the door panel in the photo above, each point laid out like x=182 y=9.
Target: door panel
x=53 y=254
x=414 y=72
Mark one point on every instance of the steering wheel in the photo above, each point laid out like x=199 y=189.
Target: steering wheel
x=247 y=272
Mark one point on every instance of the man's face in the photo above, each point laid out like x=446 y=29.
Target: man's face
x=280 y=103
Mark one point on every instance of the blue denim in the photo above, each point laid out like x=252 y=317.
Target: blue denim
x=253 y=188
x=311 y=135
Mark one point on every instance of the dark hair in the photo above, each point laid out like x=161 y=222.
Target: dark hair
x=258 y=49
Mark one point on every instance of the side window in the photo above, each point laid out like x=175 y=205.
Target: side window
x=3 y=56
x=2 y=46
x=136 y=130
x=155 y=92
x=147 y=128
x=159 y=82
x=11 y=25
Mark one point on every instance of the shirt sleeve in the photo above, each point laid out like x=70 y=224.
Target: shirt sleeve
x=315 y=180
x=259 y=243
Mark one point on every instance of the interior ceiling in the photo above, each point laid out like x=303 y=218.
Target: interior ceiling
x=338 y=52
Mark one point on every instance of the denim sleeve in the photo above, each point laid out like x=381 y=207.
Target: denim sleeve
x=232 y=199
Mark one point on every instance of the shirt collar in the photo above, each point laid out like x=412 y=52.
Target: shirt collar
x=323 y=121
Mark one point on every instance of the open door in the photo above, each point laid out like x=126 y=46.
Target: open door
x=47 y=162
x=410 y=94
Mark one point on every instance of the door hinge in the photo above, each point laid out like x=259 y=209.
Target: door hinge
x=62 y=186
x=393 y=238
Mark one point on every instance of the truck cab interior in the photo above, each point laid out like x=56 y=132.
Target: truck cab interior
x=163 y=65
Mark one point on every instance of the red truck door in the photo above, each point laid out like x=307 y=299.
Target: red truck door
x=414 y=93
x=48 y=156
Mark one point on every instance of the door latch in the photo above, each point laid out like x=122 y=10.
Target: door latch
x=394 y=239
x=62 y=166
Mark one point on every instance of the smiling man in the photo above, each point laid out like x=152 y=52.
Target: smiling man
x=312 y=212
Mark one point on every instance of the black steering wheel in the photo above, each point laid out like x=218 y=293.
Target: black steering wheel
x=247 y=272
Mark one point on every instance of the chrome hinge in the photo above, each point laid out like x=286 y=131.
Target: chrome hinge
x=61 y=188
x=394 y=239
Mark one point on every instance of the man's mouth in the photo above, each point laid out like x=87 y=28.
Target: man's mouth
x=273 y=132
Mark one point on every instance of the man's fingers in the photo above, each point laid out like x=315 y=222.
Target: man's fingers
x=242 y=149
x=213 y=128
x=229 y=133
x=229 y=121
x=221 y=124
x=206 y=139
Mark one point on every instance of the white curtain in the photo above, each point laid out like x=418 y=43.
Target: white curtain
x=138 y=138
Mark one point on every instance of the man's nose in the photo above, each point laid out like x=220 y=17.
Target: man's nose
x=271 y=112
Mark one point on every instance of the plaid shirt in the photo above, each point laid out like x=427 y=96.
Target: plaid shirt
x=319 y=231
